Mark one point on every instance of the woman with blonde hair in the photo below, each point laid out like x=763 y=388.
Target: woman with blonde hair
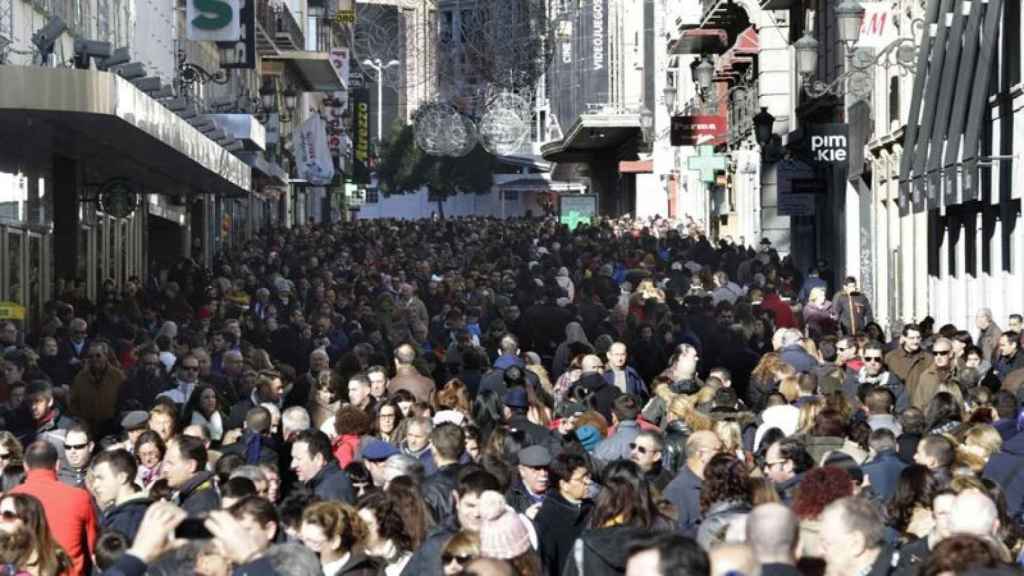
x=732 y=438
x=453 y=396
x=980 y=442
x=765 y=378
x=789 y=387
x=460 y=550
x=809 y=410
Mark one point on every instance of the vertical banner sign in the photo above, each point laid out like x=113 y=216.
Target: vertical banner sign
x=213 y=20
x=312 y=158
x=338 y=103
x=361 y=145
x=592 y=53
x=245 y=47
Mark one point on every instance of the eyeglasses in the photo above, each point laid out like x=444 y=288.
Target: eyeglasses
x=872 y=358
x=940 y=352
x=641 y=449
x=461 y=559
x=76 y=447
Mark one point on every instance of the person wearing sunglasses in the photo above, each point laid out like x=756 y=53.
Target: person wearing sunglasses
x=646 y=450
x=95 y=391
x=461 y=549
x=875 y=372
x=78 y=447
x=186 y=378
x=939 y=376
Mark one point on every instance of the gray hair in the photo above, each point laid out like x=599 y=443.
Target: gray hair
x=293 y=559
x=250 y=471
x=295 y=419
x=858 y=514
x=403 y=465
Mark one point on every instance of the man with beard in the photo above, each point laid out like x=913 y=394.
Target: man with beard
x=908 y=360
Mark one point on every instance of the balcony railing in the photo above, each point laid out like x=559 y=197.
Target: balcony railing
x=277 y=21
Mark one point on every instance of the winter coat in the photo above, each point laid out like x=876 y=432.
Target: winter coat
x=437 y=493
x=853 y=311
x=94 y=397
x=717 y=520
x=130 y=565
x=796 y=356
x=886 y=379
x=819 y=319
x=684 y=493
x=600 y=394
x=331 y=483
x=268 y=448
x=884 y=472
x=520 y=499
x=634 y=383
x=126 y=516
x=616 y=446
x=988 y=341
x=426 y=561
x=908 y=367
x=931 y=382
x=1006 y=468
x=600 y=552
x=409 y=379
x=69 y=513
x=360 y=564
x=198 y=495
x=559 y=523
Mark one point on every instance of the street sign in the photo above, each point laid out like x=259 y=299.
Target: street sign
x=696 y=130
x=707 y=163
x=213 y=20
x=830 y=143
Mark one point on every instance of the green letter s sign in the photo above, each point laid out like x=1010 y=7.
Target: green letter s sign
x=213 y=14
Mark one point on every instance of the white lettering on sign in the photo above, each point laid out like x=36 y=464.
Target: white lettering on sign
x=829 y=148
x=598 y=36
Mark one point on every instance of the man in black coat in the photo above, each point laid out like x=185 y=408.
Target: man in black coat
x=885 y=468
x=256 y=445
x=113 y=485
x=447 y=442
x=316 y=467
x=185 y=470
x=516 y=407
x=564 y=513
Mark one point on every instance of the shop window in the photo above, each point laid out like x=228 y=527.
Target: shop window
x=894 y=100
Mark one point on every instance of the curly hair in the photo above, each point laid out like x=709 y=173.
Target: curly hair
x=337 y=520
x=916 y=487
x=819 y=488
x=453 y=396
x=351 y=420
x=725 y=479
x=390 y=523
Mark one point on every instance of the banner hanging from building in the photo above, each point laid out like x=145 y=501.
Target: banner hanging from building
x=213 y=20
x=361 y=133
x=697 y=130
x=878 y=29
x=337 y=105
x=313 y=161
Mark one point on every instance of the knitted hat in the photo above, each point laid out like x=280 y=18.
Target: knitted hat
x=502 y=533
x=589 y=436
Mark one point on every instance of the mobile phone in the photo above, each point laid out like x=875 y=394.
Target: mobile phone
x=193 y=528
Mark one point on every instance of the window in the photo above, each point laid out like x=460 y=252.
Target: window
x=894 y=100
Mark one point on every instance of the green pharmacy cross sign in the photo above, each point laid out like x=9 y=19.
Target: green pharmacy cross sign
x=574 y=219
x=706 y=162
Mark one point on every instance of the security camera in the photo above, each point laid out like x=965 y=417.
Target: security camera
x=118 y=57
x=147 y=84
x=131 y=70
x=86 y=50
x=46 y=37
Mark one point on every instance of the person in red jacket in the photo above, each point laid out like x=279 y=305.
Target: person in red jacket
x=69 y=510
x=780 y=309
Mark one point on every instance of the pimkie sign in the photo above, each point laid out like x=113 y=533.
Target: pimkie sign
x=829 y=143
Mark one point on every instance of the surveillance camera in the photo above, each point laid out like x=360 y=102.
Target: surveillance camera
x=93 y=48
x=117 y=58
x=147 y=84
x=46 y=37
x=131 y=70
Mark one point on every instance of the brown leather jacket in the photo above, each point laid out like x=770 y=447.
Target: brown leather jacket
x=408 y=378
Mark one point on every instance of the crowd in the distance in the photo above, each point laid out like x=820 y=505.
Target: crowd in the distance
x=475 y=396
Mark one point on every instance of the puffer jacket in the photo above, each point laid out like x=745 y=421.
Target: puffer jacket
x=717 y=520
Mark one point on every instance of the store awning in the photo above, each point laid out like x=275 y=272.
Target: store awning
x=701 y=41
x=725 y=14
x=314 y=68
x=113 y=129
x=592 y=133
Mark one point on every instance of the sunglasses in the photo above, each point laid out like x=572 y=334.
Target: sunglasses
x=639 y=448
x=76 y=446
x=461 y=559
x=872 y=358
x=940 y=352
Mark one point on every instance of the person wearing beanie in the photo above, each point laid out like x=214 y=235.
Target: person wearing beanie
x=505 y=535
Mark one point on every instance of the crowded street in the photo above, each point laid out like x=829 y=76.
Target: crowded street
x=475 y=396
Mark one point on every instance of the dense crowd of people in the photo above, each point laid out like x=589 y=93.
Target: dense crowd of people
x=474 y=396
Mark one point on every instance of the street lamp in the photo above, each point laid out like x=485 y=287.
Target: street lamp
x=849 y=14
x=291 y=98
x=763 y=124
x=705 y=73
x=268 y=96
x=669 y=94
x=806 y=55
x=376 y=65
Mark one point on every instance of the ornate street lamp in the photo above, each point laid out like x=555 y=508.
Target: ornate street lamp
x=850 y=15
x=763 y=124
x=268 y=96
x=705 y=73
x=291 y=98
x=806 y=55
x=669 y=94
